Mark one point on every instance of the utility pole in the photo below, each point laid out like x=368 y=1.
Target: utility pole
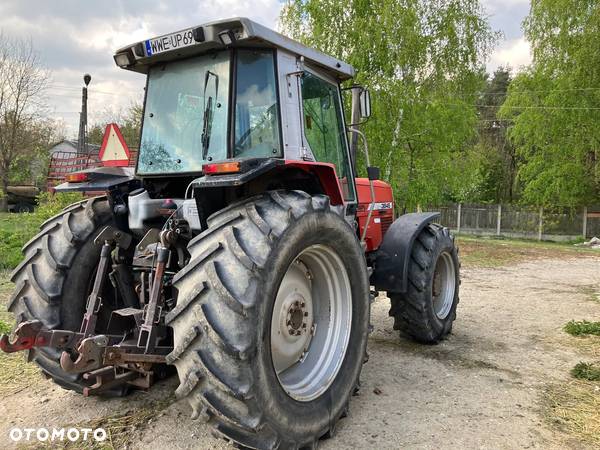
x=82 y=138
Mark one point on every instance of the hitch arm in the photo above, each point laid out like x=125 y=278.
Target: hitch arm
x=149 y=329
x=88 y=325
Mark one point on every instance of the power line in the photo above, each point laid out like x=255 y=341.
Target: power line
x=76 y=90
x=460 y=93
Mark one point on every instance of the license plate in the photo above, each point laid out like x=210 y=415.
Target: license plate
x=170 y=42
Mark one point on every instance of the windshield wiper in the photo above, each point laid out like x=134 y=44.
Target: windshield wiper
x=208 y=112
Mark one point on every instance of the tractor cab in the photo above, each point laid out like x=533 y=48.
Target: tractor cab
x=235 y=97
x=236 y=90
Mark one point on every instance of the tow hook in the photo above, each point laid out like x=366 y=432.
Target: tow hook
x=27 y=335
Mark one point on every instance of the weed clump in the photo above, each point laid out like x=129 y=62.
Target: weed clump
x=586 y=371
x=583 y=327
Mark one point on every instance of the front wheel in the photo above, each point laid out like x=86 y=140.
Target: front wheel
x=428 y=308
x=271 y=321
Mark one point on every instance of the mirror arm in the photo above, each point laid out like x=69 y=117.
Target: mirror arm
x=360 y=134
x=355 y=119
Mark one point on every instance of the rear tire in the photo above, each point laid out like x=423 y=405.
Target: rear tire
x=222 y=321
x=428 y=308
x=53 y=280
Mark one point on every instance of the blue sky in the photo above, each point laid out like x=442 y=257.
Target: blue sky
x=75 y=37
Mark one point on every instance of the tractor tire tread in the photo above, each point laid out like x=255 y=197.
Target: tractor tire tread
x=411 y=310
x=213 y=360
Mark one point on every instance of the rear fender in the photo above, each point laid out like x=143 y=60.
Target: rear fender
x=252 y=169
x=390 y=268
x=99 y=179
x=327 y=176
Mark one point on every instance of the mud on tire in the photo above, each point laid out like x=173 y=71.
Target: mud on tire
x=222 y=320
x=52 y=281
x=415 y=312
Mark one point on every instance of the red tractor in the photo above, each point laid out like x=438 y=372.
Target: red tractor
x=243 y=251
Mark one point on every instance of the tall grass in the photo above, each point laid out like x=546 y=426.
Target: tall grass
x=17 y=229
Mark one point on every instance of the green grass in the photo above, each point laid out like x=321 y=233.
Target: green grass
x=497 y=252
x=583 y=327
x=586 y=371
x=15 y=373
x=17 y=229
x=5 y=327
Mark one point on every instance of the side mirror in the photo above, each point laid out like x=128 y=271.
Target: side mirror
x=373 y=173
x=364 y=102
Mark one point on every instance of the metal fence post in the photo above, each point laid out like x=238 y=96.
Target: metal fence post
x=499 y=222
x=541 y=226
x=458 y=219
x=585 y=222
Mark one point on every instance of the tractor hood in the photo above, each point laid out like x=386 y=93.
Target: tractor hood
x=237 y=32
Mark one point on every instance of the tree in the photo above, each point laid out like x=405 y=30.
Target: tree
x=22 y=84
x=31 y=165
x=555 y=105
x=498 y=165
x=423 y=61
x=129 y=121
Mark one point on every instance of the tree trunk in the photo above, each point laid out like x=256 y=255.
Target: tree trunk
x=4 y=199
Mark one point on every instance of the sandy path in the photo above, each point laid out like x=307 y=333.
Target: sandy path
x=479 y=389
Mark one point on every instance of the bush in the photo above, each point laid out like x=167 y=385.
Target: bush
x=586 y=371
x=17 y=229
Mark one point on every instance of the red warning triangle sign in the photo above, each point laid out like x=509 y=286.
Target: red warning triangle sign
x=114 y=150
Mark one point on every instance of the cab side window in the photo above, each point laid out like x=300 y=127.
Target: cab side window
x=324 y=128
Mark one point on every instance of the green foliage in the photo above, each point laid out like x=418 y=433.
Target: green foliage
x=129 y=122
x=5 y=328
x=423 y=62
x=582 y=328
x=51 y=204
x=17 y=229
x=586 y=371
x=555 y=105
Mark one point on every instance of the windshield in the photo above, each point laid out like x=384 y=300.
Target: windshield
x=187 y=112
x=185 y=119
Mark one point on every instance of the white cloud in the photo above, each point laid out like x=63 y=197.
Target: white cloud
x=495 y=6
x=514 y=53
x=73 y=39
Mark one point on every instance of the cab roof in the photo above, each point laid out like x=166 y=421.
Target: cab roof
x=221 y=34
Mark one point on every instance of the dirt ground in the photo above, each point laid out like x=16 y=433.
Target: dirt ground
x=485 y=387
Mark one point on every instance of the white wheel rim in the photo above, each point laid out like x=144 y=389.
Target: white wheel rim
x=444 y=285
x=311 y=322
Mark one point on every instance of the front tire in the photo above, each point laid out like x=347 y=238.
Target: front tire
x=428 y=308
x=227 y=316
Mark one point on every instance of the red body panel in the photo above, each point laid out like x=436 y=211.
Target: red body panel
x=383 y=211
